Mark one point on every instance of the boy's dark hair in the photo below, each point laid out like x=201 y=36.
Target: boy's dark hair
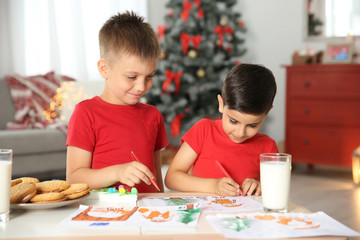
x=249 y=88
x=128 y=33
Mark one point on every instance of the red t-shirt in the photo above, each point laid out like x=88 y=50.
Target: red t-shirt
x=241 y=160
x=110 y=132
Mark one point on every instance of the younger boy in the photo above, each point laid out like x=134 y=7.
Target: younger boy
x=105 y=129
x=247 y=96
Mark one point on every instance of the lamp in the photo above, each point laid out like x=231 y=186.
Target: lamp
x=356 y=166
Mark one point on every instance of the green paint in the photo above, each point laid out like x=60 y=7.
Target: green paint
x=188 y=215
x=179 y=201
x=236 y=224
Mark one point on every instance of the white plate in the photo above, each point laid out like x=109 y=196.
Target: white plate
x=33 y=206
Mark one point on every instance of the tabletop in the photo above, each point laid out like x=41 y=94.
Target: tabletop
x=44 y=224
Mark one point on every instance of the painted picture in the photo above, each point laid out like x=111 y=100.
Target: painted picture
x=276 y=225
x=168 y=216
x=338 y=53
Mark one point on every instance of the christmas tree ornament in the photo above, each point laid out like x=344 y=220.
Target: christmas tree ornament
x=163 y=55
x=143 y=100
x=221 y=31
x=192 y=54
x=161 y=31
x=170 y=77
x=201 y=73
x=186 y=38
x=186 y=11
x=224 y=21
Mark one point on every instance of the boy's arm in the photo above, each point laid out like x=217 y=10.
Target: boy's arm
x=78 y=170
x=158 y=164
x=177 y=177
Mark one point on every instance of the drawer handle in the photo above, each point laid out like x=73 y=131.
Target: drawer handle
x=306 y=111
x=306 y=142
x=307 y=84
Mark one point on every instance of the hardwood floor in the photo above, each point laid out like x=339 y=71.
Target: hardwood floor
x=330 y=190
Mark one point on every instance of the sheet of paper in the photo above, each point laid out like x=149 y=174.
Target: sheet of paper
x=287 y=225
x=180 y=216
x=220 y=204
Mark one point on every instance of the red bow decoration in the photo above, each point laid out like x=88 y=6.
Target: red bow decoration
x=170 y=76
x=187 y=8
x=220 y=30
x=161 y=31
x=185 y=38
x=175 y=125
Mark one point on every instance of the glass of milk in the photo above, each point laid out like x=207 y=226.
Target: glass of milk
x=5 y=179
x=275 y=171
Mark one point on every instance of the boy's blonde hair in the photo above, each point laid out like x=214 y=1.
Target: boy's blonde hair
x=128 y=33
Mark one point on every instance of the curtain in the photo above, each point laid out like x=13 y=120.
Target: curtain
x=39 y=36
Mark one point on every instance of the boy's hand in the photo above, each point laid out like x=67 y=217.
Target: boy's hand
x=133 y=173
x=251 y=186
x=226 y=187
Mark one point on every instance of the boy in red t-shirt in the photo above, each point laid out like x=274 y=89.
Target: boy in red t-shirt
x=105 y=129
x=247 y=96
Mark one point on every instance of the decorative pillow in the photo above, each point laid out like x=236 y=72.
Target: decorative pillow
x=32 y=97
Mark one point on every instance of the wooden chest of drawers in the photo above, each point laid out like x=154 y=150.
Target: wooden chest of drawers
x=323 y=113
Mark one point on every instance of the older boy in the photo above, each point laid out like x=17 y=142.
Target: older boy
x=105 y=129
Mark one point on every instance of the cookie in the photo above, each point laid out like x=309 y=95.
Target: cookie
x=22 y=192
x=48 y=197
x=15 y=181
x=76 y=190
x=52 y=186
x=29 y=179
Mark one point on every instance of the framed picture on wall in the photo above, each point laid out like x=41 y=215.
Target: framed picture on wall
x=338 y=53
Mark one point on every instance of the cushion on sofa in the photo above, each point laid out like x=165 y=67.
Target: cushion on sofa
x=32 y=97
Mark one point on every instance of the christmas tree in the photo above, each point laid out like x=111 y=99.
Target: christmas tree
x=201 y=41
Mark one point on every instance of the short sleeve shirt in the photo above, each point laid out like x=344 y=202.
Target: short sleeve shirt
x=112 y=131
x=241 y=160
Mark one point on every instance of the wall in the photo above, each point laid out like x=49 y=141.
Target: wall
x=274 y=32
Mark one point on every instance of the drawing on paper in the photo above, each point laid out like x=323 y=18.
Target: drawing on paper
x=100 y=214
x=225 y=202
x=184 y=216
x=278 y=225
x=236 y=224
x=297 y=222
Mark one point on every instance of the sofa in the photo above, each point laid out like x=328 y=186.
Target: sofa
x=37 y=153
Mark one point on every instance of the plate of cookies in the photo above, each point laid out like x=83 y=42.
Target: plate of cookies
x=30 y=193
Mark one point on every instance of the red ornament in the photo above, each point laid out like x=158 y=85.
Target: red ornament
x=170 y=76
x=161 y=31
x=185 y=38
x=237 y=62
x=221 y=31
x=175 y=125
x=241 y=24
x=171 y=13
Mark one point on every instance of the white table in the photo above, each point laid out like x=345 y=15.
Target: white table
x=43 y=224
